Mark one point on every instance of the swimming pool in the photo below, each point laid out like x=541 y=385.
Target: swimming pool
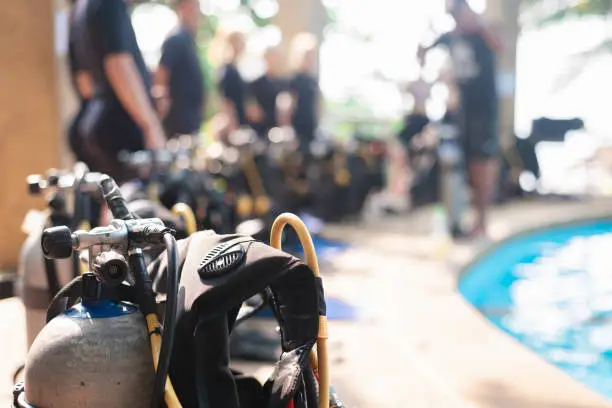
x=552 y=290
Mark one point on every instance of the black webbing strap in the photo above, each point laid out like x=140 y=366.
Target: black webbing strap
x=52 y=279
x=69 y=295
x=215 y=385
x=65 y=298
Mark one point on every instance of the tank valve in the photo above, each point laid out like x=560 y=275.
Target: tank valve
x=110 y=268
x=56 y=242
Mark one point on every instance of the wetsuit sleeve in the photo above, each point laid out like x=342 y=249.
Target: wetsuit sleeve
x=111 y=26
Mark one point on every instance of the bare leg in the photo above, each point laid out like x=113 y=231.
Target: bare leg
x=482 y=174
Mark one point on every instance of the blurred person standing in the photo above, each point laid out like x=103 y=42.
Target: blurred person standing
x=231 y=85
x=300 y=106
x=263 y=107
x=179 y=89
x=120 y=115
x=82 y=84
x=417 y=119
x=473 y=47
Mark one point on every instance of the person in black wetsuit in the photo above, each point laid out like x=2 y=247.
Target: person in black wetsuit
x=232 y=87
x=179 y=79
x=262 y=112
x=120 y=115
x=83 y=87
x=303 y=102
x=473 y=47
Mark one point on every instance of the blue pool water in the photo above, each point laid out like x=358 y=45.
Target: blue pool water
x=552 y=290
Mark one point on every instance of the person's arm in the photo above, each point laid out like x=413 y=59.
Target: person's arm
x=160 y=92
x=492 y=38
x=228 y=110
x=423 y=50
x=286 y=103
x=84 y=84
x=169 y=61
x=285 y=107
x=123 y=75
x=129 y=87
x=82 y=78
x=254 y=112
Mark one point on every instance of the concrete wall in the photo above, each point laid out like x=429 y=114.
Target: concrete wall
x=29 y=112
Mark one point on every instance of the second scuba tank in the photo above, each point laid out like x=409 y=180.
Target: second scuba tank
x=41 y=278
x=453 y=188
x=34 y=287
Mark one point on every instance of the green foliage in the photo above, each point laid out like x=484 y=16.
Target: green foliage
x=573 y=11
x=581 y=9
x=259 y=22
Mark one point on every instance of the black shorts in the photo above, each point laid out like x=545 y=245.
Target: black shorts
x=479 y=134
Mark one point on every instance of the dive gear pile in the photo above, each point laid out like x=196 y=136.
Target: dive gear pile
x=103 y=326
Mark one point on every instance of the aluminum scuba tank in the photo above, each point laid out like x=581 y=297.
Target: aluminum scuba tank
x=95 y=355
x=40 y=278
x=453 y=186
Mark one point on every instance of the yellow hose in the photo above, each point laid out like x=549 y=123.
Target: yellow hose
x=319 y=361
x=261 y=205
x=170 y=397
x=153 y=191
x=186 y=213
x=84 y=226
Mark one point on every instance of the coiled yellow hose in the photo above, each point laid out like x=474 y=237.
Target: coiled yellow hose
x=186 y=213
x=319 y=361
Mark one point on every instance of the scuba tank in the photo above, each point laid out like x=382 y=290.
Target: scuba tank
x=453 y=186
x=41 y=278
x=97 y=353
x=218 y=273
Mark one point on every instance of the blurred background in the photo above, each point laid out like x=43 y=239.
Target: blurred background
x=426 y=315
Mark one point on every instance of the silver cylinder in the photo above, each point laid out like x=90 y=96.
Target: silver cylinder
x=33 y=288
x=91 y=363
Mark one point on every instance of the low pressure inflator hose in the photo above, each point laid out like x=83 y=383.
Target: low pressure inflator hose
x=319 y=361
x=186 y=214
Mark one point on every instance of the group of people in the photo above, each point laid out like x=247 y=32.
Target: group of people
x=125 y=107
x=273 y=99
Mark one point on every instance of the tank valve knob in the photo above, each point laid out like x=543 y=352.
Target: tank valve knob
x=35 y=184
x=53 y=176
x=56 y=242
x=111 y=268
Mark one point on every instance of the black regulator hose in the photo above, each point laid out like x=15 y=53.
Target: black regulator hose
x=169 y=325
x=115 y=201
x=118 y=207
